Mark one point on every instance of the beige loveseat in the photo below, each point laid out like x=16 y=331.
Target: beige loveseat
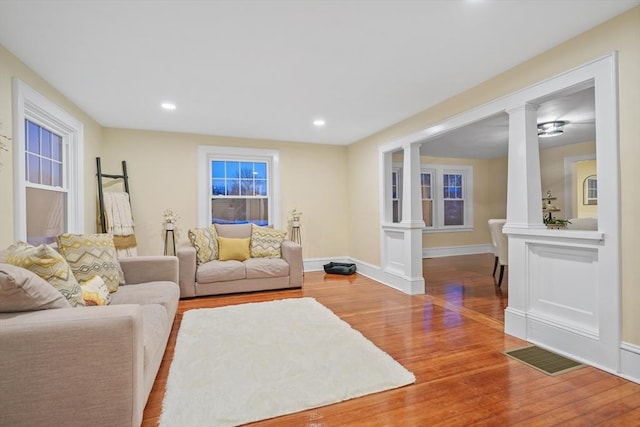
x=217 y=277
x=88 y=366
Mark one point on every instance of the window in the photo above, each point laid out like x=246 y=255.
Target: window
x=395 y=194
x=426 y=188
x=447 y=197
x=48 y=166
x=238 y=185
x=239 y=192
x=590 y=190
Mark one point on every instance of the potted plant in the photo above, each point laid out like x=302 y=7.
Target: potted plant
x=170 y=219
x=295 y=217
x=556 y=223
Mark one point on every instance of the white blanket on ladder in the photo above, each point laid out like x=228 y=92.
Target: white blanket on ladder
x=117 y=212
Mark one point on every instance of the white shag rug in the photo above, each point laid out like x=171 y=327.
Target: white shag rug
x=237 y=364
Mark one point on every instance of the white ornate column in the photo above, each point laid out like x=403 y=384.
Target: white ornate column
x=524 y=188
x=412 y=212
x=524 y=209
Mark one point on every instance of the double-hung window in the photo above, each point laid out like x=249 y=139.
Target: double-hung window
x=426 y=190
x=48 y=168
x=447 y=197
x=239 y=192
x=238 y=185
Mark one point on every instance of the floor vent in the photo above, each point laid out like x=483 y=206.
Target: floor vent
x=543 y=360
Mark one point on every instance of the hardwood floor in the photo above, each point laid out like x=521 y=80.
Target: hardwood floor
x=452 y=340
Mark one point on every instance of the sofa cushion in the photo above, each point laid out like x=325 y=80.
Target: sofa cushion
x=165 y=294
x=266 y=242
x=204 y=240
x=234 y=231
x=95 y=291
x=47 y=263
x=259 y=268
x=233 y=249
x=90 y=255
x=220 y=271
x=22 y=290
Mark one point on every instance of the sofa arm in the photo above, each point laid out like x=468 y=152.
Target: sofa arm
x=143 y=269
x=72 y=366
x=292 y=253
x=187 y=262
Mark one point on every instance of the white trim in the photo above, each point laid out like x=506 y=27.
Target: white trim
x=630 y=361
x=206 y=153
x=456 y=250
x=317 y=264
x=403 y=284
x=30 y=104
x=602 y=74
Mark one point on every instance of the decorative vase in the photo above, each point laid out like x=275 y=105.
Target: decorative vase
x=295 y=223
x=169 y=226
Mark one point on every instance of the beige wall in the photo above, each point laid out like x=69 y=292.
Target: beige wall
x=11 y=67
x=162 y=170
x=621 y=34
x=553 y=173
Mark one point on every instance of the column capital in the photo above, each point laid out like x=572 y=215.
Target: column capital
x=527 y=106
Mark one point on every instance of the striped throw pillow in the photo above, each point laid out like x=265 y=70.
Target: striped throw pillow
x=266 y=242
x=90 y=255
x=204 y=240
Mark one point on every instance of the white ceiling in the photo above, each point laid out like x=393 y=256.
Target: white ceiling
x=489 y=138
x=266 y=69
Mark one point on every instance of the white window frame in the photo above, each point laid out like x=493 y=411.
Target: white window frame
x=437 y=171
x=208 y=153
x=397 y=172
x=28 y=104
x=433 y=173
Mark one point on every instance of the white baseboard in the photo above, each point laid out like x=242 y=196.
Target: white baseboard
x=410 y=286
x=456 y=250
x=630 y=362
x=317 y=264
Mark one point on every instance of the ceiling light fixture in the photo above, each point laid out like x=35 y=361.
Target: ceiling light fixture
x=319 y=122
x=168 y=106
x=547 y=129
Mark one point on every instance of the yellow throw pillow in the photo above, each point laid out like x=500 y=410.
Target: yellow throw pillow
x=266 y=242
x=90 y=255
x=204 y=240
x=47 y=263
x=236 y=249
x=95 y=291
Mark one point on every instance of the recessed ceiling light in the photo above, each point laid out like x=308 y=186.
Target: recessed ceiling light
x=168 y=105
x=319 y=122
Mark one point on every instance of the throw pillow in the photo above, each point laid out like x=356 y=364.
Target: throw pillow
x=22 y=290
x=95 y=291
x=90 y=255
x=47 y=263
x=204 y=240
x=233 y=249
x=266 y=242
